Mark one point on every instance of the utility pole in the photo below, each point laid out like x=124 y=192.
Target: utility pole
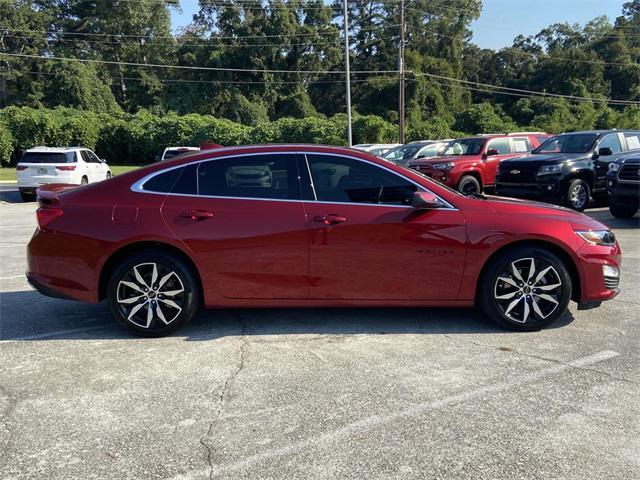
x=401 y=71
x=347 y=70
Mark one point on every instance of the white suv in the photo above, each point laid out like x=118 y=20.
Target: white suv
x=42 y=165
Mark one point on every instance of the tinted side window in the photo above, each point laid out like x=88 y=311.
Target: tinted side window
x=179 y=180
x=340 y=179
x=85 y=156
x=162 y=182
x=611 y=141
x=253 y=176
x=94 y=158
x=502 y=145
x=633 y=140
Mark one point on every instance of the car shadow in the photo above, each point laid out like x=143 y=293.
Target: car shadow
x=605 y=217
x=28 y=316
x=11 y=196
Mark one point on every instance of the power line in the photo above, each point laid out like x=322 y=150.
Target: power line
x=189 y=67
x=530 y=92
x=198 y=81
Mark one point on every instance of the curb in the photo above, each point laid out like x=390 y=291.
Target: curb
x=8 y=182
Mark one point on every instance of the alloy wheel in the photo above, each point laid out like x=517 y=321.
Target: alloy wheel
x=529 y=289
x=150 y=295
x=578 y=196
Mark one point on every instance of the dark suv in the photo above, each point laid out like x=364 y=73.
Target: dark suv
x=571 y=167
x=623 y=185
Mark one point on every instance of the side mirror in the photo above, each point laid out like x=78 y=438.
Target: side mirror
x=157 y=158
x=425 y=201
x=605 y=151
x=491 y=152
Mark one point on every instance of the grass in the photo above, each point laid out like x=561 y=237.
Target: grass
x=10 y=173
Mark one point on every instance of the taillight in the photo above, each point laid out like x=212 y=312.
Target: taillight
x=47 y=215
x=66 y=168
x=21 y=167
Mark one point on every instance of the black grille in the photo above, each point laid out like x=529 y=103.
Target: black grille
x=611 y=282
x=518 y=174
x=425 y=169
x=630 y=172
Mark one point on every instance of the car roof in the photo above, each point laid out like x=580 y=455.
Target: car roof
x=601 y=132
x=54 y=149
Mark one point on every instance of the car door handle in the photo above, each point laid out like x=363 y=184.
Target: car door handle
x=197 y=214
x=330 y=219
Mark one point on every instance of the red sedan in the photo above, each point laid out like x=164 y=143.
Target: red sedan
x=302 y=225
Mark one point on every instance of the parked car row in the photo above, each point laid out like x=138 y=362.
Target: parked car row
x=570 y=168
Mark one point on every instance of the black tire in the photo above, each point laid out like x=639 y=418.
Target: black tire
x=28 y=197
x=516 y=310
x=180 y=287
x=577 y=195
x=108 y=175
x=621 y=211
x=469 y=185
x=84 y=181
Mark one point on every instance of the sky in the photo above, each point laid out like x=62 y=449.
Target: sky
x=501 y=20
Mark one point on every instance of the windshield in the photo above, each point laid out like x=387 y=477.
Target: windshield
x=402 y=154
x=466 y=146
x=48 y=157
x=572 y=143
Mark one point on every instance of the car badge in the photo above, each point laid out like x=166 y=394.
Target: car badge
x=514 y=172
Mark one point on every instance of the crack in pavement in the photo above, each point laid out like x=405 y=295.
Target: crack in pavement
x=546 y=359
x=206 y=441
x=11 y=401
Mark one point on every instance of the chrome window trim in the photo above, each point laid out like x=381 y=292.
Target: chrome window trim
x=137 y=187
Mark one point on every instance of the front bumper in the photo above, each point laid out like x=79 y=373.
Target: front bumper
x=595 y=287
x=623 y=193
x=534 y=191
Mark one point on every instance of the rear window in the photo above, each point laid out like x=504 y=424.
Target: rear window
x=48 y=157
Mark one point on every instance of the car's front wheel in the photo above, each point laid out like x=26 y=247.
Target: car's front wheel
x=525 y=289
x=153 y=293
x=469 y=185
x=578 y=194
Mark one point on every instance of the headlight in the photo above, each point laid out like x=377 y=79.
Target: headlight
x=443 y=166
x=599 y=237
x=614 y=167
x=549 y=169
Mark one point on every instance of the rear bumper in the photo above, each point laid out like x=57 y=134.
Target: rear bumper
x=54 y=271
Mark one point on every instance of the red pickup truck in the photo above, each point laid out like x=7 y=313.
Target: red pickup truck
x=470 y=164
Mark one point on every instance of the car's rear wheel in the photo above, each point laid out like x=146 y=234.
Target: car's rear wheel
x=620 y=211
x=525 y=289
x=469 y=185
x=84 y=181
x=153 y=293
x=578 y=194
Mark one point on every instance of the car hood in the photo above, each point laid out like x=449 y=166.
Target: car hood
x=436 y=159
x=543 y=211
x=543 y=159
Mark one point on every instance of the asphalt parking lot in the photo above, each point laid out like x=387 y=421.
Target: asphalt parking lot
x=311 y=393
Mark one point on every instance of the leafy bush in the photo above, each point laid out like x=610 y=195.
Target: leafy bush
x=483 y=118
x=373 y=129
x=6 y=145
